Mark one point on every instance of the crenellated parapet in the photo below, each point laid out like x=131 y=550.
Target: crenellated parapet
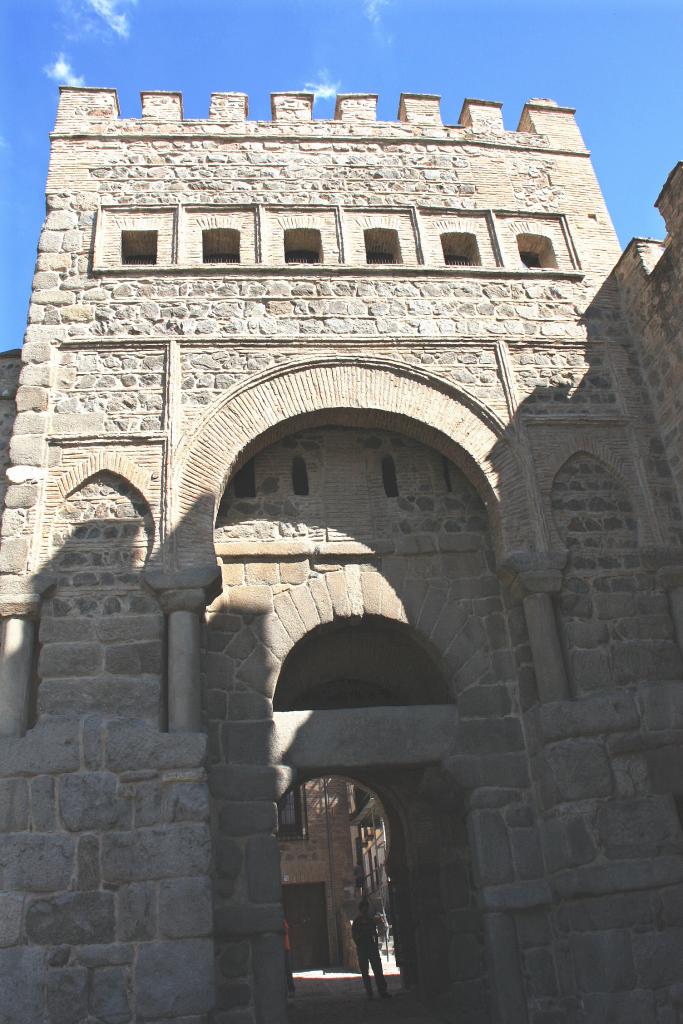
x=543 y=124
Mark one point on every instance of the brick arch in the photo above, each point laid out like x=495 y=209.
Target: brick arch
x=433 y=611
x=103 y=462
x=346 y=389
x=621 y=471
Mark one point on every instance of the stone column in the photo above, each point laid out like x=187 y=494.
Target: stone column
x=535 y=578
x=184 y=609
x=16 y=670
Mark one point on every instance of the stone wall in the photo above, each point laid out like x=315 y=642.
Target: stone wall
x=521 y=551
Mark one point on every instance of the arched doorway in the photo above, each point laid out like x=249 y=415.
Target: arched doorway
x=360 y=610
x=362 y=698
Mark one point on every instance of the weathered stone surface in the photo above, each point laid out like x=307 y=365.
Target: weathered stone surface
x=579 y=768
x=136 y=911
x=159 y=852
x=91 y=801
x=73 y=918
x=109 y=995
x=67 y=995
x=185 y=908
x=14 y=805
x=36 y=863
x=11 y=909
x=263 y=869
x=22 y=972
x=174 y=978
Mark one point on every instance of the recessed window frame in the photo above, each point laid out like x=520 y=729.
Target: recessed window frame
x=302 y=246
x=536 y=252
x=300 y=481
x=382 y=247
x=221 y=245
x=460 y=249
x=145 y=241
x=389 y=476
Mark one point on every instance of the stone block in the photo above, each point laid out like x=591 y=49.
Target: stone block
x=636 y=1007
x=228 y=857
x=72 y=660
x=599 y=713
x=185 y=801
x=36 y=862
x=161 y=852
x=91 y=800
x=136 y=912
x=23 y=985
x=109 y=995
x=246 y=818
x=233 y=961
x=659 y=957
x=174 y=978
x=185 y=909
x=67 y=995
x=490 y=847
x=88 y=863
x=14 y=806
x=579 y=769
x=134 y=745
x=71 y=918
x=263 y=869
x=639 y=828
x=245 y=919
x=268 y=965
x=249 y=743
x=11 y=911
x=249 y=706
x=603 y=961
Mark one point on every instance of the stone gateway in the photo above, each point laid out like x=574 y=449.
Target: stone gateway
x=341 y=447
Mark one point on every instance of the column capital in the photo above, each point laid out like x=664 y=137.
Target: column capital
x=533 y=572
x=189 y=599
x=25 y=603
x=188 y=590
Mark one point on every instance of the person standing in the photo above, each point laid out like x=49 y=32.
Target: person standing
x=366 y=938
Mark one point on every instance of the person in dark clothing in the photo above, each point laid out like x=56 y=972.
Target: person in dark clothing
x=365 y=935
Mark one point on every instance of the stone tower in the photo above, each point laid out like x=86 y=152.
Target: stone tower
x=341 y=447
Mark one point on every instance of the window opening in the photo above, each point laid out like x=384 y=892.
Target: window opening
x=292 y=815
x=303 y=245
x=460 y=249
x=536 y=252
x=244 y=481
x=221 y=245
x=299 y=475
x=389 y=477
x=382 y=246
x=139 y=248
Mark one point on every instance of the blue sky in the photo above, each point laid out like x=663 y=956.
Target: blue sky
x=618 y=61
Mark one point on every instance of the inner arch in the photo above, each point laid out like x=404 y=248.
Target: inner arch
x=359 y=662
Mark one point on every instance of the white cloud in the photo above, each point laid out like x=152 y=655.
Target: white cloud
x=109 y=11
x=62 y=72
x=323 y=89
x=373 y=10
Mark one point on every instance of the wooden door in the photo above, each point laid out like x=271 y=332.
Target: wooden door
x=306 y=912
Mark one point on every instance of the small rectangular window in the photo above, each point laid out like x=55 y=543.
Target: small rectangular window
x=460 y=249
x=221 y=245
x=382 y=246
x=244 y=481
x=139 y=248
x=303 y=245
x=536 y=252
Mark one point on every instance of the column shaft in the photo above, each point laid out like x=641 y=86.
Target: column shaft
x=184 y=696
x=551 y=675
x=16 y=666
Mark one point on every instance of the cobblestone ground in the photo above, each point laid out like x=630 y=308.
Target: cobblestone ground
x=339 y=998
